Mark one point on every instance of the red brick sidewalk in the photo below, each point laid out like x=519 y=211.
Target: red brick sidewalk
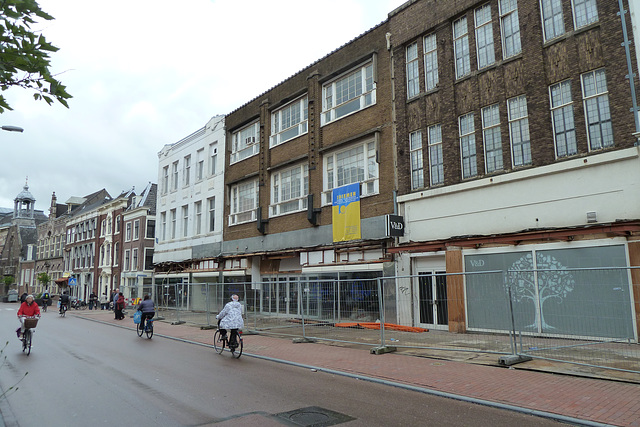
x=591 y=400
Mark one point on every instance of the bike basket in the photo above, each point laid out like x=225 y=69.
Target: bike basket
x=30 y=323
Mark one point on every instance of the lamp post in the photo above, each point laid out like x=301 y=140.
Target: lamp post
x=9 y=128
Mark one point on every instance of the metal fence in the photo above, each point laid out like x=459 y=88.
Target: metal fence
x=580 y=316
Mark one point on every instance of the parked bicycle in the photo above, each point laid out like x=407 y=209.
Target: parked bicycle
x=221 y=341
x=30 y=324
x=148 y=328
x=78 y=304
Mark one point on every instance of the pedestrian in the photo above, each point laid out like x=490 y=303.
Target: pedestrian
x=103 y=301
x=120 y=306
x=114 y=300
x=92 y=300
x=23 y=297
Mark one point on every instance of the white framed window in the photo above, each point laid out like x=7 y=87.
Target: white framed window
x=174 y=176
x=244 y=201
x=185 y=220
x=289 y=121
x=118 y=220
x=151 y=229
x=357 y=163
x=492 y=138
x=127 y=233
x=519 y=131
x=134 y=259
x=413 y=74
x=349 y=93
x=585 y=12
x=116 y=253
x=211 y=205
x=173 y=213
x=595 y=97
x=436 y=158
x=289 y=190
x=186 y=178
x=461 y=47
x=564 y=130
x=245 y=143
x=197 y=226
x=163 y=226
x=552 y=18
x=468 y=145
x=484 y=36
x=127 y=260
x=200 y=164
x=148 y=259
x=213 y=158
x=510 y=28
x=165 y=180
x=417 y=167
x=430 y=62
x=136 y=229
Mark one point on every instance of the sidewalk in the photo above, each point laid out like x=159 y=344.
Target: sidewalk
x=591 y=400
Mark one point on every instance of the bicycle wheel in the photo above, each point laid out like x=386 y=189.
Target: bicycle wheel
x=26 y=342
x=139 y=329
x=237 y=352
x=149 y=329
x=218 y=342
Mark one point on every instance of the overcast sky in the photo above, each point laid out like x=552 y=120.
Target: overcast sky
x=145 y=73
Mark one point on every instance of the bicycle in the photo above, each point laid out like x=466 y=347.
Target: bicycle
x=63 y=310
x=44 y=306
x=27 y=336
x=220 y=341
x=148 y=329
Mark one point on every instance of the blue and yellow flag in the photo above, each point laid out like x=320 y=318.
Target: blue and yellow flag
x=346 y=213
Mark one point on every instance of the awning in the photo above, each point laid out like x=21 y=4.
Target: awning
x=62 y=280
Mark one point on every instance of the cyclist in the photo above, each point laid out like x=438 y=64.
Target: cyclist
x=231 y=318
x=45 y=299
x=28 y=308
x=64 y=300
x=148 y=310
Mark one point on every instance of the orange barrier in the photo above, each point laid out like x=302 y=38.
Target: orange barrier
x=376 y=325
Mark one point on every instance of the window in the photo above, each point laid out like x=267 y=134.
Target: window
x=585 y=12
x=413 y=74
x=596 y=109
x=211 y=202
x=564 y=132
x=468 y=146
x=289 y=122
x=151 y=229
x=552 y=18
x=174 y=176
x=244 y=201
x=173 y=223
x=116 y=253
x=492 y=138
x=118 y=219
x=185 y=220
x=417 y=176
x=430 y=62
x=200 y=164
x=347 y=94
x=519 y=131
x=127 y=260
x=461 y=47
x=148 y=259
x=355 y=164
x=163 y=226
x=213 y=158
x=187 y=171
x=165 y=179
x=510 y=26
x=197 y=207
x=136 y=229
x=127 y=232
x=436 y=159
x=289 y=189
x=484 y=36
x=244 y=143
x=134 y=260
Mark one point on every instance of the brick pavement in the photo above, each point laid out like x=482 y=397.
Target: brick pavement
x=592 y=400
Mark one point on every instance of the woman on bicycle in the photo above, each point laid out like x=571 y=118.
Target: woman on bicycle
x=29 y=308
x=147 y=308
x=231 y=318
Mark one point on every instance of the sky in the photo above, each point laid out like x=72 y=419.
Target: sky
x=146 y=73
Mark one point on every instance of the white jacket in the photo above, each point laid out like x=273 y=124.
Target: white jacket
x=231 y=316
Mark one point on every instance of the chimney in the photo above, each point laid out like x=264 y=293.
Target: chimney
x=54 y=204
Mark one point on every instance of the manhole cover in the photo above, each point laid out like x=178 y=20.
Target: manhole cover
x=314 y=416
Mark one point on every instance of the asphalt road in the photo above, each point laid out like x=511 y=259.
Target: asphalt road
x=86 y=373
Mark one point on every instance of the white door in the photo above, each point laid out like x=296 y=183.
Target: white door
x=430 y=299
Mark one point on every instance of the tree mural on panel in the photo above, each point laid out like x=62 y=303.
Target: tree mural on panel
x=554 y=282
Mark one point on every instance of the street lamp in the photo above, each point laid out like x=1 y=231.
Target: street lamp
x=12 y=129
